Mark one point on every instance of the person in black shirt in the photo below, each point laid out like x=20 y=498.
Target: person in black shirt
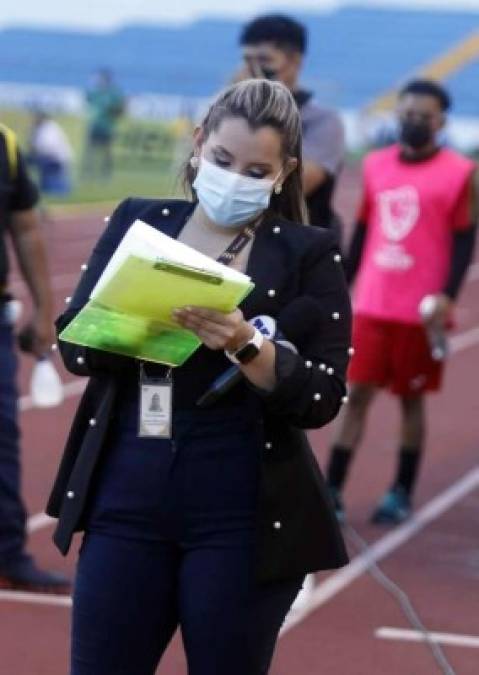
x=18 y=219
x=213 y=528
x=273 y=47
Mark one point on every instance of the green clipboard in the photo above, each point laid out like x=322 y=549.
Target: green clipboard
x=131 y=314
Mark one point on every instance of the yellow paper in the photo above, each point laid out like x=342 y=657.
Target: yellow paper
x=130 y=310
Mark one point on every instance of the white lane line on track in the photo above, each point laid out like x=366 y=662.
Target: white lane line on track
x=382 y=548
x=462 y=341
x=36 y=598
x=404 y=635
x=38 y=522
x=473 y=274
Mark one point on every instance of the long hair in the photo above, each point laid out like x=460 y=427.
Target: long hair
x=262 y=103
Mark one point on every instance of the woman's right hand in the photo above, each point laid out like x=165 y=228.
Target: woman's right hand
x=215 y=329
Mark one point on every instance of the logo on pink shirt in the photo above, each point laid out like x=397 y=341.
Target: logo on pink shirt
x=399 y=212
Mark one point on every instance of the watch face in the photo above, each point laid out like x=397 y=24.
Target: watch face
x=247 y=353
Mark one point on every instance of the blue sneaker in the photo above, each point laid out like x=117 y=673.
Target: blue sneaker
x=338 y=504
x=394 y=507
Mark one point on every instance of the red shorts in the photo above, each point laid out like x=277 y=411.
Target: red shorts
x=393 y=355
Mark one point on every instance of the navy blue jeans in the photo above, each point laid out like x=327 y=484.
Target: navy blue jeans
x=12 y=511
x=171 y=542
x=131 y=595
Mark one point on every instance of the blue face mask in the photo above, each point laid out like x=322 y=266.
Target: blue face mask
x=230 y=199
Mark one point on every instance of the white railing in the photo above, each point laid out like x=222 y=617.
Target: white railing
x=71 y=101
x=462 y=132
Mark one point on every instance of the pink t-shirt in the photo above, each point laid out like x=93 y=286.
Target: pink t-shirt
x=411 y=211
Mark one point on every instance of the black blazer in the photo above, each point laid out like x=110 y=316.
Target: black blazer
x=297 y=529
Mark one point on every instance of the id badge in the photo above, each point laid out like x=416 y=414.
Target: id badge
x=156 y=406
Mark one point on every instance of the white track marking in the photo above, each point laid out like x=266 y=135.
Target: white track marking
x=462 y=341
x=416 y=636
x=473 y=274
x=36 y=598
x=305 y=593
x=38 y=522
x=382 y=548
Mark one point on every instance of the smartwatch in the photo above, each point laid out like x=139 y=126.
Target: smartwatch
x=248 y=351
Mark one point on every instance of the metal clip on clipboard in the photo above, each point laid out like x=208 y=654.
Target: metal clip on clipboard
x=190 y=272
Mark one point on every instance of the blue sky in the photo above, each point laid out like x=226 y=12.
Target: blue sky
x=107 y=14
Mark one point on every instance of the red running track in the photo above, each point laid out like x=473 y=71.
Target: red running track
x=438 y=566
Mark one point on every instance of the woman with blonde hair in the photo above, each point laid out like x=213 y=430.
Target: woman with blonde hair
x=214 y=529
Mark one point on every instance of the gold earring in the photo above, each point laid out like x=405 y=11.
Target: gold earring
x=278 y=189
x=194 y=162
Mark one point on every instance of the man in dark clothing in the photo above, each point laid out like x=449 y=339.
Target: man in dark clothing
x=273 y=47
x=18 y=219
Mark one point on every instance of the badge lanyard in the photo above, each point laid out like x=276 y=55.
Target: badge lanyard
x=156 y=393
x=237 y=245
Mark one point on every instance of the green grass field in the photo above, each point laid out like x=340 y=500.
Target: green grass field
x=148 y=157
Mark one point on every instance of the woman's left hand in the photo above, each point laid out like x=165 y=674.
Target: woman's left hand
x=215 y=329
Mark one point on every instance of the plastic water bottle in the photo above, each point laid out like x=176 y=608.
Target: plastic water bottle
x=436 y=334
x=13 y=311
x=46 y=387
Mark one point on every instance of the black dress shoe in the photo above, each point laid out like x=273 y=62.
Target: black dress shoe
x=24 y=575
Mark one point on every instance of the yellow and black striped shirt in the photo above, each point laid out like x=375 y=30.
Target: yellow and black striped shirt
x=17 y=192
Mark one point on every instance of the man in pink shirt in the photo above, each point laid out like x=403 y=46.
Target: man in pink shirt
x=414 y=240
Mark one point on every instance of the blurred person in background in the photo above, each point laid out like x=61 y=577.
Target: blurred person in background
x=51 y=153
x=274 y=47
x=414 y=239
x=18 y=220
x=105 y=106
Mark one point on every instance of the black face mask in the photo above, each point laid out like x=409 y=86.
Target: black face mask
x=415 y=134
